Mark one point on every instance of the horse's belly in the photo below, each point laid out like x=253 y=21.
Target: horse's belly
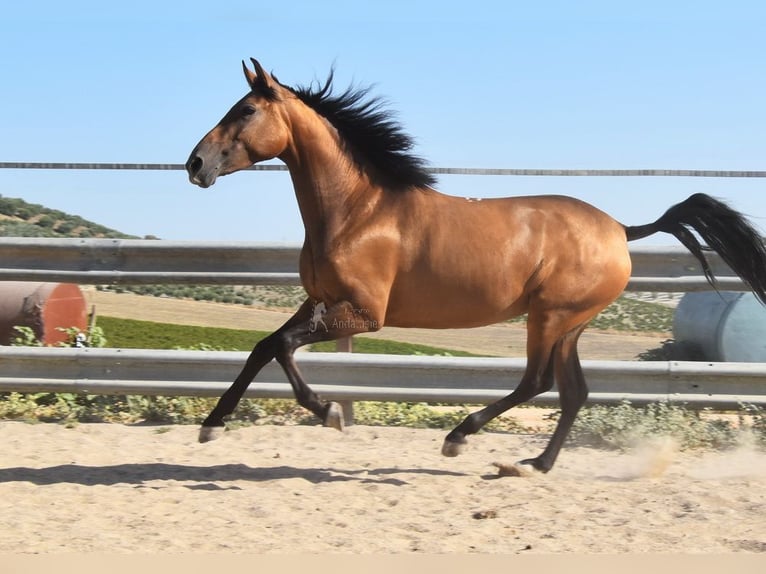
x=452 y=306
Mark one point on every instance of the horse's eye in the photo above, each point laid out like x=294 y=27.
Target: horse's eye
x=248 y=111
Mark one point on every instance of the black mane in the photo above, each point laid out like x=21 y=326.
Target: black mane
x=375 y=141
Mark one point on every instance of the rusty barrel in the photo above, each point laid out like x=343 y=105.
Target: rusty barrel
x=44 y=307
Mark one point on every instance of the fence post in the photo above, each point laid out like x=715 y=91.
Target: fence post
x=346 y=345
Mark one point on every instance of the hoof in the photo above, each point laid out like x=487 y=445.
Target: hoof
x=451 y=449
x=519 y=469
x=334 y=417
x=206 y=434
x=533 y=465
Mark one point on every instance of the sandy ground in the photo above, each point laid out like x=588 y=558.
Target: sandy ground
x=502 y=340
x=291 y=489
x=278 y=490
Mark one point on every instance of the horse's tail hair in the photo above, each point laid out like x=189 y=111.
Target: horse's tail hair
x=723 y=229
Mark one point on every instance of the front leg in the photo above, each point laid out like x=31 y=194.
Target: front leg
x=326 y=324
x=312 y=323
x=213 y=426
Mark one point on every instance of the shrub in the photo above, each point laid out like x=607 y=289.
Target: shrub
x=46 y=221
x=416 y=415
x=624 y=426
x=66 y=227
x=63 y=407
x=24 y=337
x=758 y=424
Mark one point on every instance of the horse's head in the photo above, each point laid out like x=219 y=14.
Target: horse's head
x=251 y=131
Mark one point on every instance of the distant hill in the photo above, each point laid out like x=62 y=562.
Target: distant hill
x=21 y=219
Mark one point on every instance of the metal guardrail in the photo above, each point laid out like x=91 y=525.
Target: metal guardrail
x=337 y=376
x=144 y=261
x=435 y=170
x=355 y=377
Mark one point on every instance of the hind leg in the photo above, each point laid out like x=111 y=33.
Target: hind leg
x=573 y=393
x=538 y=378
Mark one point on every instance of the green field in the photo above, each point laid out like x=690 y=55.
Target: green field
x=623 y=315
x=132 y=334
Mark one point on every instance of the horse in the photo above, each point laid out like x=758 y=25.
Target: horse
x=383 y=247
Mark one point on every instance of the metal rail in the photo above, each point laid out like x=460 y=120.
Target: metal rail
x=144 y=261
x=355 y=377
x=337 y=376
x=434 y=170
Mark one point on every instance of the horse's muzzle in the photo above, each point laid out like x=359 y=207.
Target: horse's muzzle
x=198 y=172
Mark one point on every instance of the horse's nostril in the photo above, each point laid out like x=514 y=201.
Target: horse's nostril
x=194 y=165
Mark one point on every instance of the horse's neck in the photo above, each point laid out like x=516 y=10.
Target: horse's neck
x=328 y=186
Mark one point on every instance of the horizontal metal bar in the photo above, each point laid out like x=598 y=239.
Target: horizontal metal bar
x=150 y=278
x=141 y=261
x=260 y=390
x=684 y=284
x=351 y=376
x=598 y=172
x=658 y=284
x=435 y=170
x=115 y=166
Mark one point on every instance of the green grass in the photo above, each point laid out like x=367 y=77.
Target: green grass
x=623 y=315
x=133 y=334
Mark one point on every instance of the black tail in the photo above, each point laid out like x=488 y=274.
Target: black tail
x=724 y=230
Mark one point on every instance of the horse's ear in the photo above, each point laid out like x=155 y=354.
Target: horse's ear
x=260 y=79
x=251 y=78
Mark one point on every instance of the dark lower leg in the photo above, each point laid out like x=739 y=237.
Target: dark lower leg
x=341 y=320
x=261 y=355
x=532 y=384
x=306 y=397
x=573 y=393
x=546 y=460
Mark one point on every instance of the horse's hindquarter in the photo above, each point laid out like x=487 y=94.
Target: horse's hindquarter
x=587 y=258
x=475 y=262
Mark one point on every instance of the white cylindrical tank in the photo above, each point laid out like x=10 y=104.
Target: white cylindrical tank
x=721 y=326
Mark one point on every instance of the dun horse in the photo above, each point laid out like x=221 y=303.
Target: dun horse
x=383 y=247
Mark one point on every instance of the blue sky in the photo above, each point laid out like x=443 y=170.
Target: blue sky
x=599 y=85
